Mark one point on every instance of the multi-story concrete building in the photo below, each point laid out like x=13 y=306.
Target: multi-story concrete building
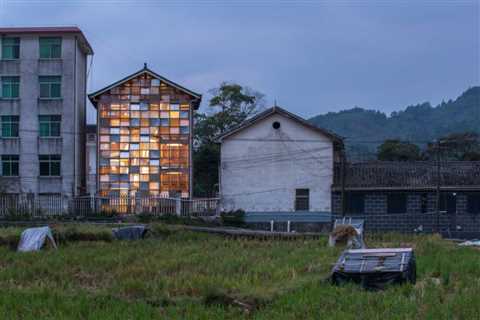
x=43 y=110
x=91 y=158
x=144 y=136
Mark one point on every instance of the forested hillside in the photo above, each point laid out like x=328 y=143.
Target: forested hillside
x=366 y=129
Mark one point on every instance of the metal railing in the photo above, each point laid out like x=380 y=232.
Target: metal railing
x=16 y=206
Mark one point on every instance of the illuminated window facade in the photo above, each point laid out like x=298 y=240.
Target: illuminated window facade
x=144 y=137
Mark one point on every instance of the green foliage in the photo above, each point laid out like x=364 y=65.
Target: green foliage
x=233 y=218
x=229 y=106
x=419 y=124
x=396 y=150
x=455 y=146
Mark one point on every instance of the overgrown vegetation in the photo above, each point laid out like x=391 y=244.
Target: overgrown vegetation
x=184 y=275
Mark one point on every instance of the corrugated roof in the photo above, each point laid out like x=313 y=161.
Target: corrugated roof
x=50 y=30
x=397 y=175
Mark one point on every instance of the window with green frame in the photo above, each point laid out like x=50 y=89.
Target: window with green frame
x=49 y=165
x=10 y=165
x=10 y=87
x=50 y=47
x=10 y=48
x=50 y=86
x=10 y=126
x=49 y=125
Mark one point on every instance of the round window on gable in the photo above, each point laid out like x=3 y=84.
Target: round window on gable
x=276 y=125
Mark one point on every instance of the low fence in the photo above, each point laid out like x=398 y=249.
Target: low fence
x=44 y=206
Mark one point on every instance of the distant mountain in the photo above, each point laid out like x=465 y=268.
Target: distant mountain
x=366 y=129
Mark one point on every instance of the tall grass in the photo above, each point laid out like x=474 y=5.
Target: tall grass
x=181 y=275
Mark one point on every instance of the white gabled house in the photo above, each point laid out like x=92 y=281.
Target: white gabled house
x=278 y=162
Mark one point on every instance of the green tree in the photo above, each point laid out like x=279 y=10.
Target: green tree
x=456 y=146
x=397 y=150
x=230 y=105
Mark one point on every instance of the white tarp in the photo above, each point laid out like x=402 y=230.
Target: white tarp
x=470 y=243
x=33 y=239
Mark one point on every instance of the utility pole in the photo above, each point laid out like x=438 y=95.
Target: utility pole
x=343 y=169
x=438 y=185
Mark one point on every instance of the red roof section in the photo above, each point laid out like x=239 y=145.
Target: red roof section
x=47 y=30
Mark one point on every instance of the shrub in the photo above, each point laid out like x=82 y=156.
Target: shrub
x=233 y=218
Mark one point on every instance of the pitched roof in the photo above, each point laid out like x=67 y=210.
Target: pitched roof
x=418 y=175
x=146 y=70
x=50 y=30
x=273 y=110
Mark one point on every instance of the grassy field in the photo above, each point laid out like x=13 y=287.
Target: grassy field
x=185 y=275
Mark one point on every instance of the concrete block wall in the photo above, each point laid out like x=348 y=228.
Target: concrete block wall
x=461 y=224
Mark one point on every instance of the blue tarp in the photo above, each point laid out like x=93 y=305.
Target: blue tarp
x=129 y=233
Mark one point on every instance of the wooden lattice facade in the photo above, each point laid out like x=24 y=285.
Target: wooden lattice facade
x=144 y=136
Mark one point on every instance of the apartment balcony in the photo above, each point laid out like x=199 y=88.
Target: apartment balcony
x=9 y=67
x=10 y=184
x=50 y=184
x=9 y=106
x=50 y=145
x=10 y=145
x=50 y=66
x=50 y=105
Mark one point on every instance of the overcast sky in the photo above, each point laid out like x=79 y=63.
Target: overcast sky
x=312 y=56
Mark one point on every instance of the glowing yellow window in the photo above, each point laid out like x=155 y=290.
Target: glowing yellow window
x=164 y=106
x=125 y=114
x=124 y=146
x=104 y=146
x=174 y=122
x=135 y=154
x=154 y=169
x=144 y=170
x=124 y=106
x=184 y=106
x=124 y=131
x=134 y=177
x=154 y=145
x=114 y=122
x=144 y=122
x=114 y=154
x=114 y=170
x=144 y=177
x=154 y=131
x=123 y=170
x=144 y=153
x=134 y=114
x=135 y=162
x=174 y=114
x=154 y=107
x=115 y=106
x=144 y=146
x=123 y=162
x=154 y=185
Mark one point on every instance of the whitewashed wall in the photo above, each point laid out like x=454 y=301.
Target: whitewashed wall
x=261 y=176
